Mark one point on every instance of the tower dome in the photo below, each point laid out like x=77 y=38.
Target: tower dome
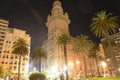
x=56 y=3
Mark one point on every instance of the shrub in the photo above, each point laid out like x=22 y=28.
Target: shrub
x=42 y=76
x=37 y=76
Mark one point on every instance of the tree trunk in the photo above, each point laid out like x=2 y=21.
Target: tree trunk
x=39 y=65
x=19 y=66
x=33 y=64
x=96 y=62
x=74 y=72
x=84 y=65
x=65 y=56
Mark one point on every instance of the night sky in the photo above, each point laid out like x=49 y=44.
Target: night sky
x=31 y=15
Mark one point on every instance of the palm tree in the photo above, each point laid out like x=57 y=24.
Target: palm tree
x=63 y=39
x=82 y=45
x=20 y=48
x=102 y=26
x=93 y=54
x=37 y=54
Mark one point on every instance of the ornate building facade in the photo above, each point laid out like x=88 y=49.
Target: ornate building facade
x=58 y=23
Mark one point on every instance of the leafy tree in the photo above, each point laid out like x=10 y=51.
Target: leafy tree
x=103 y=25
x=63 y=40
x=37 y=54
x=4 y=72
x=37 y=76
x=82 y=45
x=20 y=48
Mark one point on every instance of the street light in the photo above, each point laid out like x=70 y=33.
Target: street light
x=54 y=71
x=103 y=63
x=77 y=62
x=65 y=68
x=70 y=63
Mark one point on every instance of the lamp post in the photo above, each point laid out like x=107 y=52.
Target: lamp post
x=103 y=63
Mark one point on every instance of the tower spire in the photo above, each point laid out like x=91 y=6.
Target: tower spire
x=57 y=13
x=57 y=8
x=56 y=3
x=56 y=0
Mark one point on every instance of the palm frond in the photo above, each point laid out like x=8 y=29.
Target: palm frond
x=38 y=53
x=103 y=23
x=20 y=47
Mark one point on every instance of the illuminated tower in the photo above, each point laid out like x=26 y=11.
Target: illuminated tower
x=57 y=23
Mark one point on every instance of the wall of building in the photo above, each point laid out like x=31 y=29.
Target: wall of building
x=9 y=60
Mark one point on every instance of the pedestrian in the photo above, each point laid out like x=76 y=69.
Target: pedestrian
x=62 y=76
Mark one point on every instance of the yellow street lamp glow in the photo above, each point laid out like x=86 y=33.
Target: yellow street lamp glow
x=77 y=62
x=34 y=69
x=103 y=64
x=119 y=69
x=27 y=67
x=65 y=68
x=54 y=69
x=70 y=63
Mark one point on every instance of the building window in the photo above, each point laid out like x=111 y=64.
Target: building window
x=15 y=57
x=11 y=62
x=26 y=59
x=14 y=67
x=2 y=62
x=7 y=51
x=1 y=43
x=7 y=56
x=4 y=51
x=4 y=56
x=2 y=36
x=1 y=40
x=0 y=48
x=11 y=57
x=15 y=62
x=6 y=41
